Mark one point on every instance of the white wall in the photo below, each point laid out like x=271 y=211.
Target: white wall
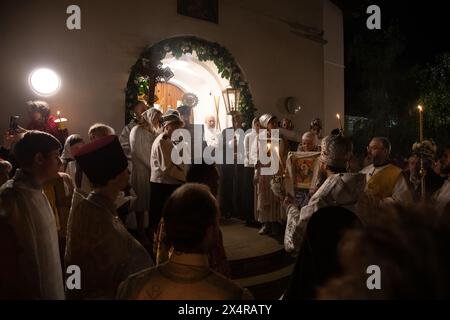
x=94 y=62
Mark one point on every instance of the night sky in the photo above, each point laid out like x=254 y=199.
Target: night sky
x=424 y=24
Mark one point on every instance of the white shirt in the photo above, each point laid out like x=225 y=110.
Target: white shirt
x=24 y=206
x=163 y=169
x=342 y=190
x=251 y=149
x=400 y=193
x=212 y=137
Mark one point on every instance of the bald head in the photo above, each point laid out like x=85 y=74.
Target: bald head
x=309 y=141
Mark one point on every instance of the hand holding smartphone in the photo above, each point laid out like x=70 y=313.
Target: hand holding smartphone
x=13 y=125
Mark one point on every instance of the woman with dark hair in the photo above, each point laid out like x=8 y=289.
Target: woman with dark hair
x=318 y=259
x=42 y=120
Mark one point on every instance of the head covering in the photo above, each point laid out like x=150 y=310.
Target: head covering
x=336 y=151
x=170 y=117
x=102 y=160
x=70 y=141
x=265 y=119
x=172 y=111
x=149 y=116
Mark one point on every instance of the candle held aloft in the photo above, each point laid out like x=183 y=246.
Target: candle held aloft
x=338 y=116
x=420 y=122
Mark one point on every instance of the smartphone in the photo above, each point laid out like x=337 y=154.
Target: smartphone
x=13 y=125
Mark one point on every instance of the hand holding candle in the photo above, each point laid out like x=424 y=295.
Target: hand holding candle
x=60 y=121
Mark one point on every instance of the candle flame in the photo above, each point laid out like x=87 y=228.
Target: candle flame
x=338 y=116
x=58 y=113
x=420 y=108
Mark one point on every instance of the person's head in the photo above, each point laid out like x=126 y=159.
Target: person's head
x=318 y=259
x=407 y=244
x=445 y=161
x=72 y=145
x=336 y=152
x=5 y=169
x=256 y=125
x=139 y=108
x=316 y=127
x=191 y=218
x=379 y=149
x=104 y=163
x=185 y=113
x=335 y=132
x=152 y=118
x=309 y=141
x=210 y=122
x=236 y=118
x=285 y=123
x=37 y=152
x=206 y=174
x=99 y=130
x=170 y=123
x=38 y=110
x=268 y=121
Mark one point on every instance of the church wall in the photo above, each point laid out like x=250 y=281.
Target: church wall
x=94 y=62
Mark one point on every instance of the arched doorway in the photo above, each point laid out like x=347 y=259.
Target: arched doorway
x=194 y=65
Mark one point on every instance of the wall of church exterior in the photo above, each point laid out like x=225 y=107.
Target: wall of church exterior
x=94 y=62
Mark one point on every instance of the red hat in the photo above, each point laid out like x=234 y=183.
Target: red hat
x=102 y=160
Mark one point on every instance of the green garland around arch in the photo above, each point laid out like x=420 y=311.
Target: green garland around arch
x=143 y=75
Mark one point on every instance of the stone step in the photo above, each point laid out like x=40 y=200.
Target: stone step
x=257 y=262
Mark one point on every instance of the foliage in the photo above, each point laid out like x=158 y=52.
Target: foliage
x=434 y=85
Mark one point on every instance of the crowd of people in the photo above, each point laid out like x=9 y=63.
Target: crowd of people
x=140 y=226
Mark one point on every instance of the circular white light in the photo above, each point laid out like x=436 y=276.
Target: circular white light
x=44 y=82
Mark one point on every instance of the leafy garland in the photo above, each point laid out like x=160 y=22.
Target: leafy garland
x=142 y=80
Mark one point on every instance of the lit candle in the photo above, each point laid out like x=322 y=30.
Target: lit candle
x=420 y=123
x=279 y=159
x=338 y=116
x=58 y=113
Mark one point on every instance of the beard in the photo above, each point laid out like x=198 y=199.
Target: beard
x=378 y=160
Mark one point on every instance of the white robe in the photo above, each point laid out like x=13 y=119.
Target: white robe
x=141 y=141
x=341 y=190
x=26 y=210
x=212 y=137
x=400 y=193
